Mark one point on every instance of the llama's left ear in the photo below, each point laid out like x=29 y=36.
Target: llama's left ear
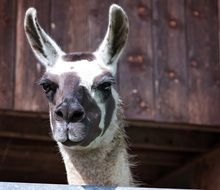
x=115 y=38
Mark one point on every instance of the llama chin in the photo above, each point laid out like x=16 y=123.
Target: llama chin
x=84 y=106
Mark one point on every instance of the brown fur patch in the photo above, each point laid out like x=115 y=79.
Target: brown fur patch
x=105 y=75
x=77 y=56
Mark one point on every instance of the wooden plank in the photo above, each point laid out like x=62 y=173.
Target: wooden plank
x=7 y=53
x=160 y=158
x=31 y=177
x=136 y=65
x=28 y=96
x=30 y=157
x=219 y=29
x=69 y=24
x=25 y=157
x=149 y=173
x=203 y=62
x=202 y=172
x=143 y=138
x=21 y=127
x=171 y=139
x=167 y=148
x=98 y=21
x=170 y=61
x=176 y=126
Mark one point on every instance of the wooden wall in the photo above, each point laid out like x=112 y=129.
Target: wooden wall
x=169 y=74
x=169 y=71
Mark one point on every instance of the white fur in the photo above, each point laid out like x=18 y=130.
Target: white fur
x=83 y=68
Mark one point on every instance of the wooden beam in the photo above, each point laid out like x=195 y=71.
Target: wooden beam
x=24 y=127
x=203 y=172
x=177 y=126
x=143 y=138
x=167 y=148
x=135 y=123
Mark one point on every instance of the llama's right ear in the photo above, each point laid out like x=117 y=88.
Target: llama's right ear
x=45 y=49
x=115 y=38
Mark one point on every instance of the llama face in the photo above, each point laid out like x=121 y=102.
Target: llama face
x=80 y=86
x=82 y=100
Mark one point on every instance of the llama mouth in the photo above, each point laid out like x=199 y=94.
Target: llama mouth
x=76 y=134
x=70 y=143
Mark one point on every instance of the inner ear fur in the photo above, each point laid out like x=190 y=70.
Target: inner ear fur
x=44 y=48
x=116 y=35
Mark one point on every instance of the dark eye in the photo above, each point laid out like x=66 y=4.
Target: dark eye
x=105 y=87
x=46 y=87
x=49 y=89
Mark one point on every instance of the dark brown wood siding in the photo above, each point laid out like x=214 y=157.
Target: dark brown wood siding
x=168 y=73
x=28 y=96
x=7 y=53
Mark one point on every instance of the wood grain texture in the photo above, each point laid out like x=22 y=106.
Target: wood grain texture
x=28 y=95
x=136 y=65
x=98 y=21
x=200 y=173
x=203 y=62
x=7 y=53
x=32 y=161
x=69 y=24
x=170 y=60
x=168 y=73
x=25 y=144
x=172 y=140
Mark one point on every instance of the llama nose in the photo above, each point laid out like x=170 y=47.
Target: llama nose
x=70 y=113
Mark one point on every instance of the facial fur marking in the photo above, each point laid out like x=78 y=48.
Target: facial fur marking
x=109 y=107
x=77 y=56
x=108 y=99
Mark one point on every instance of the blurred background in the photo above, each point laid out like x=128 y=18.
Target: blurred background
x=169 y=80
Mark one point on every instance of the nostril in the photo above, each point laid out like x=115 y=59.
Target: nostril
x=59 y=113
x=78 y=115
x=70 y=114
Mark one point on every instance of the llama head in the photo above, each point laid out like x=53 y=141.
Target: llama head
x=80 y=86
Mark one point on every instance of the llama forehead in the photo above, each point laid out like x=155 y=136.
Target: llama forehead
x=86 y=70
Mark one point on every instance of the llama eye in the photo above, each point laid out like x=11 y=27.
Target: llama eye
x=105 y=87
x=49 y=89
x=46 y=87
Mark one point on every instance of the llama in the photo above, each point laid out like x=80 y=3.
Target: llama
x=84 y=106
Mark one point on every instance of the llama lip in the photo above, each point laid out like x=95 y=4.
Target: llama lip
x=70 y=143
x=77 y=132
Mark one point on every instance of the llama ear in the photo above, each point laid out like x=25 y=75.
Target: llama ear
x=44 y=48
x=115 y=38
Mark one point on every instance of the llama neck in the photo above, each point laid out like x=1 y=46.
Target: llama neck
x=106 y=166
